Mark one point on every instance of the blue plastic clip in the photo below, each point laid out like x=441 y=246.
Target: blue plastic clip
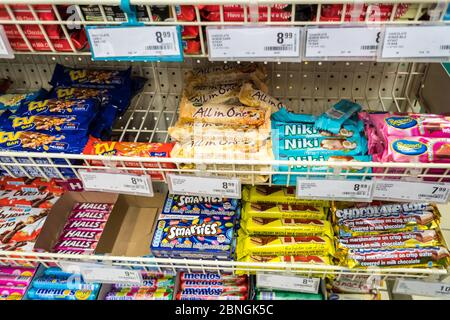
x=131 y=13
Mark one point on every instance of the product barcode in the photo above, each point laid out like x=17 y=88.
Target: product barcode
x=370 y=47
x=445 y=47
x=279 y=48
x=354 y=193
x=434 y=196
x=167 y=46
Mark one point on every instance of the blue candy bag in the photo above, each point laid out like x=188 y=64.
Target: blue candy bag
x=87 y=107
x=13 y=101
x=333 y=119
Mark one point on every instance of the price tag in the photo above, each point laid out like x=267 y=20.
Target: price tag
x=287 y=282
x=116 y=182
x=5 y=48
x=334 y=189
x=422 y=288
x=260 y=43
x=342 y=42
x=411 y=191
x=204 y=186
x=133 y=43
x=111 y=275
x=416 y=42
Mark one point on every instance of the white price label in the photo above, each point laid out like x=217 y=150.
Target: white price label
x=416 y=42
x=342 y=42
x=116 y=182
x=287 y=282
x=334 y=189
x=411 y=191
x=111 y=275
x=422 y=288
x=5 y=48
x=253 y=42
x=122 y=42
x=204 y=186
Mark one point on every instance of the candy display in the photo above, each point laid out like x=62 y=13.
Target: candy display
x=14 y=282
x=281 y=195
x=198 y=286
x=84 y=228
x=389 y=234
x=54 y=284
x=282 y=211
x=154 y=287
x=187 y=205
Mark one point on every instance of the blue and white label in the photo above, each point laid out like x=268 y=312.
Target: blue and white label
x=135 y=43
x=409 y=148
x=401 y=122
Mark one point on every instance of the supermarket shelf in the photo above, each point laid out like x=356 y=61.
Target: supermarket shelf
x=216 y=266
x=76 y=19
x=306 y=88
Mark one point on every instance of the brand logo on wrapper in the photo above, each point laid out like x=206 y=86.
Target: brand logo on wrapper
x=76 y=75
x=186 y=200
x=10 y=138
x=23 y=122
x=401 y=122
x=204 y=229
x=38 y=105
x=410 y=148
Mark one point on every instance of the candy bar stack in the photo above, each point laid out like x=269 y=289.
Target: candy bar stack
x=83 y=228
x=196 y=227
x=389 y=235
x=296 y=137
x=357 y=287
x=224 y=113
x=14 y=281
x=278 y=227
x=395 y=137
x=55 y=284
x=25 y=206
x=212 y=286
x=156 y=286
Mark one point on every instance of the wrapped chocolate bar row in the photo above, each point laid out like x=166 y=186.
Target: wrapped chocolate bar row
x=389 y=235
x=277 y=227
x=196 y=227
x=224 y=113
x=84 y=228
x=357 y=287
x=305 y=137
x=25 y=206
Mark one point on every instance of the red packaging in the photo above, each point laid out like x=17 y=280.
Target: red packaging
x=230 y=16
x=10 y=183
x=189 y=32
x=90 y=235
x=191 y=46
x=79 y=41
x=32 y=31
x=131 y=149
x=239 y=8
x=85 y=225
x=185 y=13
x=72 y=251
x=35 y=199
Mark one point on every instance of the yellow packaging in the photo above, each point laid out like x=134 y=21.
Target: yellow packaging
x=289 y=259
x=276 y=194
x=283 y=246
x=286 y=227
x=283 y=210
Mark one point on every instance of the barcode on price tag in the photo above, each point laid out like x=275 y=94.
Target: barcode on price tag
x=334 y=189
x=135 y=43
x=204 y=186
x=111 y=275
x=416 y=42
x=287 y=282
x=411 y=191
x=116 y=182
x=255 y=43
x=422 y=288
x=342 y=42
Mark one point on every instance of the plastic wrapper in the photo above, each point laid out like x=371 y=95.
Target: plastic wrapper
x=266 y=194
x=286 y=227
x=60 y=294
x=186 y=205
x=286 y=295
x=283 y=211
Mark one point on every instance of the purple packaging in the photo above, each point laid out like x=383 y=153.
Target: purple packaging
x=73 y=251
x=76 y=244
x=17 y=271
x=14 y=281
x=6 y=291
x=92 y=206
x=79 y=234
x=89 y=215
x=85 y=225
